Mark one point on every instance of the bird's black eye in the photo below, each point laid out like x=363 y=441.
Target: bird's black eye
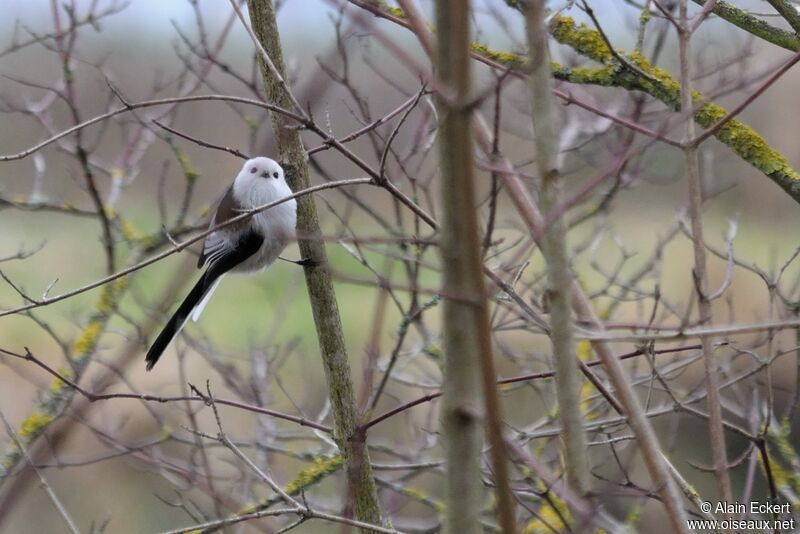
x=254 y=170
x=274 y=174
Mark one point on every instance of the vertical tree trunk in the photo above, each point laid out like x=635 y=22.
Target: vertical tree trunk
x=554 y=248
x=324 y=306
x=716 y=431
x=469 y=368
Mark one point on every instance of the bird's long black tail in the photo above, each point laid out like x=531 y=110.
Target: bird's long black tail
x=180 y=316
x=247 y=245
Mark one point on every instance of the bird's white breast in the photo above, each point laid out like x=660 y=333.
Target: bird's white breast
x=276 y=224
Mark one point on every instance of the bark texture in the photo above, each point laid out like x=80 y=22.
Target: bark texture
x=325 y=309
x=554 y=248
x=469 y=377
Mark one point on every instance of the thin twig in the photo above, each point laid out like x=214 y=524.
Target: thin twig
x=43 y=481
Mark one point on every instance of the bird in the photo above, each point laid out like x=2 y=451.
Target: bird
x=245 y=246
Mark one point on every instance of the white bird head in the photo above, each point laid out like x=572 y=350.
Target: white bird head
x=260 y=180
x=260 y=168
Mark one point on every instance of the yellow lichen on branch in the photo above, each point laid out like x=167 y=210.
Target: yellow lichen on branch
x=657 y=82
x=57 y=396
x=33 y=425
x=746 y=142
x=582 y=39
x=509 y=59
x=319 y=469
x=783 y=453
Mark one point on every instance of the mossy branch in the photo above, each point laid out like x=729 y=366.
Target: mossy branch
x=787 y=479
x=320 y=468
x=744 y=20
x=351 y=440
x=658 y=83
x=59 y=395
x=53 y=402
x=754 y=25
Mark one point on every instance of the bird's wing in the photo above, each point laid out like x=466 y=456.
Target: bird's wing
x=247 y=245
x=220 y=242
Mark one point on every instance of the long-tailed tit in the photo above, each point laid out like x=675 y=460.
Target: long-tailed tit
x=248 y=245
